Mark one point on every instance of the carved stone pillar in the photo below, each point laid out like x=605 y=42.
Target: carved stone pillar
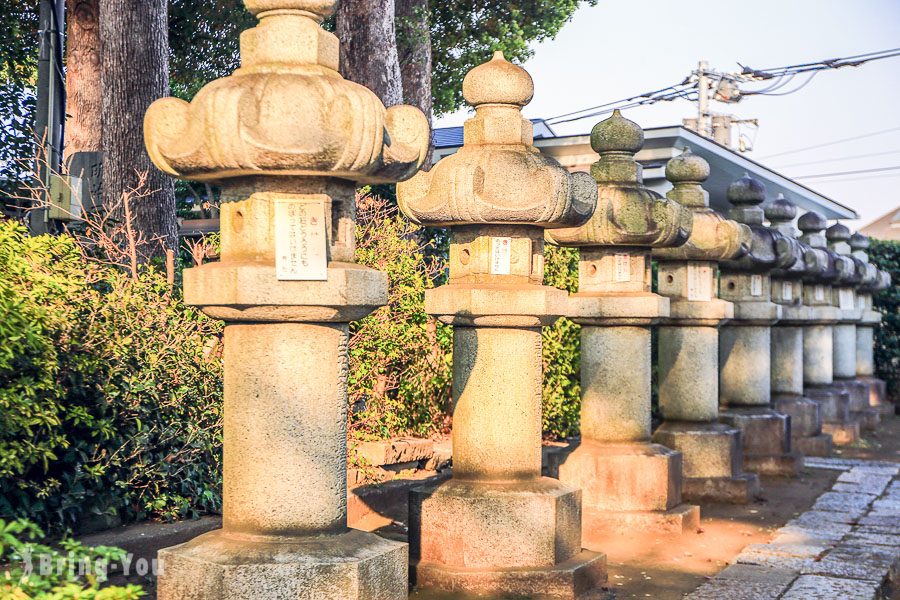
x=875 y=281
x=787 y=337
x=286 y=138
x=745 y=342
x=627 y=482
x=497 y=526
x=818 y=333
x=844 y=345
x=689 y=344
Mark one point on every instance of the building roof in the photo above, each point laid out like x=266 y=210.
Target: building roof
x=885 y=227
x=662 y=143
x=452 y=137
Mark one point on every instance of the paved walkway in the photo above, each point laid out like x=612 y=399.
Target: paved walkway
x=847 y=546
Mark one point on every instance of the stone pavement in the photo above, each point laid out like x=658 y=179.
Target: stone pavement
x=846 y=546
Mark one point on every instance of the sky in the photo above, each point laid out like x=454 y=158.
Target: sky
x=620 y=48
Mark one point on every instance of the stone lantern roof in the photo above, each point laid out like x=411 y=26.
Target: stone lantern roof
x=286 y=112
x=628 y=214
x=769 y=248
x=713 y=237
x=498 y=177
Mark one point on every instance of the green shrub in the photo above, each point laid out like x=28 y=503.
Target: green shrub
x=30 y=569
x=400 y=358
x=886 y=255
x=110 y=389
x=561 y=351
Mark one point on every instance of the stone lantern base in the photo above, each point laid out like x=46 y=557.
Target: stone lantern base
x=514 y=538
x=765 y=439
x=625 y=487
x=712 y=461
x=869 y=417
x=837 y=421
x=877 y=390
x=353 y=565
x=806 y=424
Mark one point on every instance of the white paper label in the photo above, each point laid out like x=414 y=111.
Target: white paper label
x=756 y=285
x=500 y=255
x=845 y=299
x=819 y=292
x=300 y=239
x=699 y=276
x=787 y=290
x=623 y=267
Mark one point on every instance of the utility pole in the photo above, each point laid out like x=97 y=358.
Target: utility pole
x=703 y=99
x=716 y=126
x=50 y=105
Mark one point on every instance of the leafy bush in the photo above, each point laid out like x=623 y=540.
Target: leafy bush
x=110 y=389
x=562 y=351
x=33 y=570
x=886 y=255
x=400 y=358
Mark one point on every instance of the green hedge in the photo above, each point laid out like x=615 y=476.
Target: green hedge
x=110 y=390
x=886 y=255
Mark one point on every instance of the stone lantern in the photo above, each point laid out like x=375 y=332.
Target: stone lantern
x=287 y=139
x=818 y=336
x=626 y=481
x=787 y=337
x=844 y=345
x=745 y=342
x=865 y=328
x=689 y=344
x=497 y=526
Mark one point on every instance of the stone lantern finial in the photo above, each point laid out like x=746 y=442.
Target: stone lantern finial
x=687 y=172
x=746 y=195
x=781 y=213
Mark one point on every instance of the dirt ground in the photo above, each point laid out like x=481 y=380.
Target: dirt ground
x=665 y=568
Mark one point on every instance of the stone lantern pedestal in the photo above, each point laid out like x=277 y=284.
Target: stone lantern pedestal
x=286 y=138
x=818 y=335
x=689 y=345
x=787 y=339
x=627 y=482
x=498 y=526
x=745 y=342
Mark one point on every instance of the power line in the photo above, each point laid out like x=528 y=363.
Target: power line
x=827 y=160
x=840 y=141
x=839 y=173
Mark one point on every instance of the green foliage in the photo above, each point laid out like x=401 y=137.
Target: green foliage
x=400 y=358
x=203 y=42
x=21 y=577
x=465 y=33
x=110 y=389
x=561 y=350
x=886 y=255
x=18 y=74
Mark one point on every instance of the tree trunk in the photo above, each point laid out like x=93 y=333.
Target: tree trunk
x=82 y=77
x=414 y=53
x=369 y=47
x=134 y=73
